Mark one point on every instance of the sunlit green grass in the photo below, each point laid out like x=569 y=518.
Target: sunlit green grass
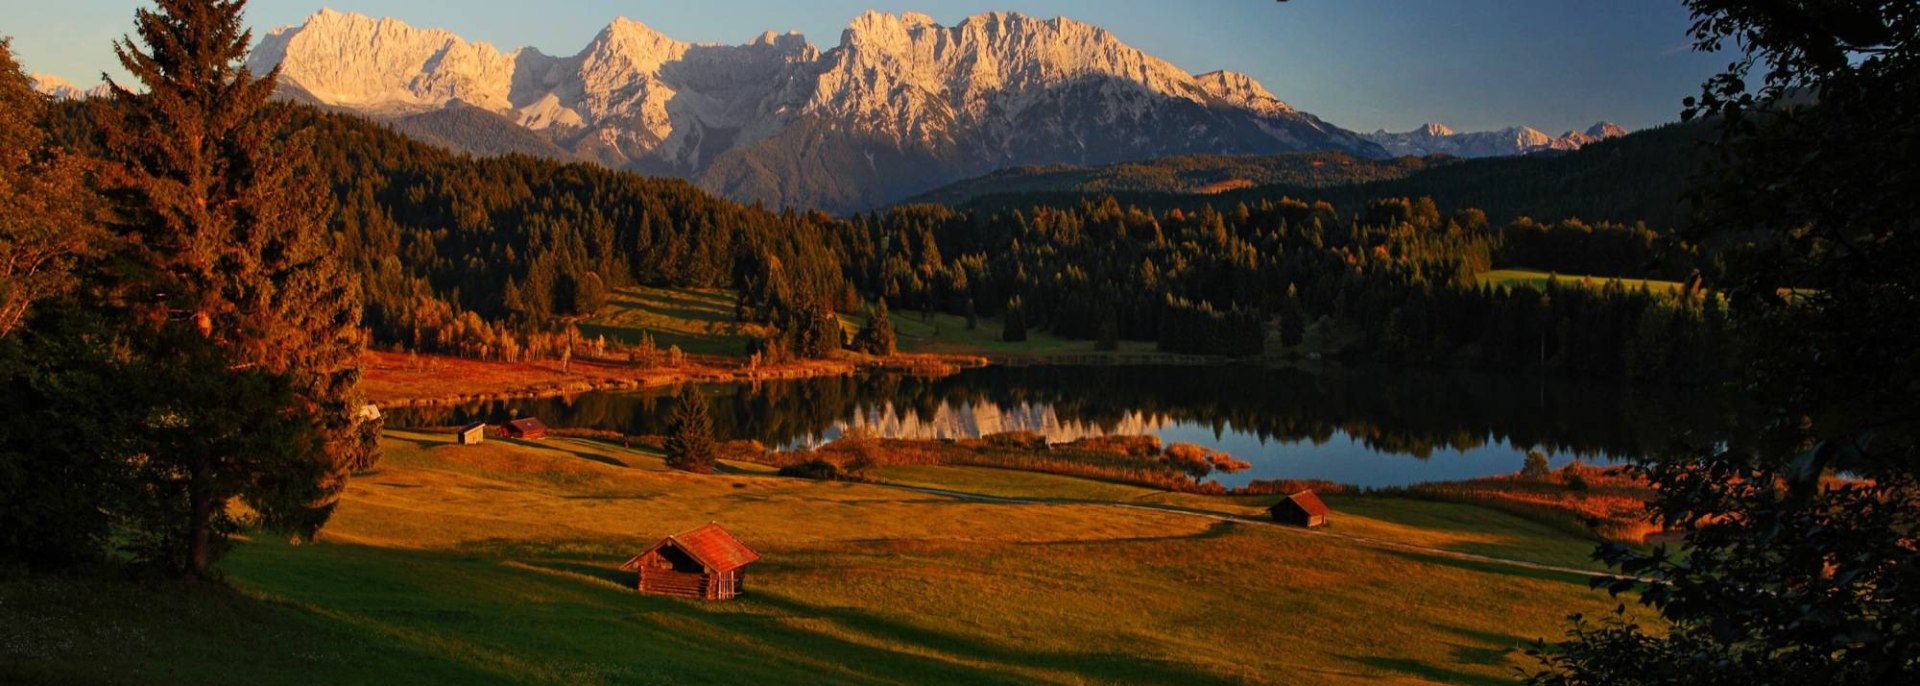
x=700 y=321
x=947 y=333
x=497 y=564
x=1539 y=279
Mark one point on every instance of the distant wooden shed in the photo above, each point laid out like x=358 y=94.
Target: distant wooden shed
x=525 y=429
x=1300 y=509
x=705 y=563
x=471 y=434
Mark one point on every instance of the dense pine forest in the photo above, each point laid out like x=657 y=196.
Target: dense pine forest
x=1635 y=178
x=494 y=257
x=1400 y=278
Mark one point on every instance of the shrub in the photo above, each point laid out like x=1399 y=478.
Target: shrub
x=816 y=468
x=1536 y=466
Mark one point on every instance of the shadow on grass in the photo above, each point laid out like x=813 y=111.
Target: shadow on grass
x=1430 y=672
x=1218 y=529
x=1491 y=567
x=565 y=615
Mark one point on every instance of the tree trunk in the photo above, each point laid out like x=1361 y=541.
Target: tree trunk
x=200 y=531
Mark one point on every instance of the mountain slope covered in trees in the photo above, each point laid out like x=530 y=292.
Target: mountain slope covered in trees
x=1632 y=178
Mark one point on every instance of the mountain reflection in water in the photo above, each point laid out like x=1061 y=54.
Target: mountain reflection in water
x=1363 y=427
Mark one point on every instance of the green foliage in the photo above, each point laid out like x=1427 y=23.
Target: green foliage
x=241 y=322
x=876 y=336
x=1399 y=281
x=1181 y=175
x=1787 y=576
x=1014 y=324
x=1536 y=466
x=1639 y=177
x=690 y=444
x=817 y=469
x=48 y=221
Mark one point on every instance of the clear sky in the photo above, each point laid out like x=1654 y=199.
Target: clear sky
x=1361 y=64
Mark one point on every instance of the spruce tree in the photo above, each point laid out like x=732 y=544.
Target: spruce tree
x=1015 y=325
x=876 y=337
x=229 y=288
x=690 y=445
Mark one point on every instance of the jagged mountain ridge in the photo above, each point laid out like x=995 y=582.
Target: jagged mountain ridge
x=901 y=105
x=62 y=89
x=1438 y=139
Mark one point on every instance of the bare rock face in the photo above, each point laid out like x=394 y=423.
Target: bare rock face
x=901 y=105
x=1437 y=139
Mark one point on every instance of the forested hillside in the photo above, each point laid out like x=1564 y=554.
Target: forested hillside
x=1189 y=174
x=1397 y=281
x=1633 y=178
x=465 y=128
x=496 y=257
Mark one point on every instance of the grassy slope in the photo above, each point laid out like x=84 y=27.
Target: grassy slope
x=1538 y=279
x=700 y=321
x=948 y=333
x=496 y=563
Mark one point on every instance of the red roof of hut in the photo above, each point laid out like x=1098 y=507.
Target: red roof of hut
x=710 y=545
x=530 y=426
x=1310 y=504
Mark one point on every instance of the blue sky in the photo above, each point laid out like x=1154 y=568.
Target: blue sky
x=1362 y=64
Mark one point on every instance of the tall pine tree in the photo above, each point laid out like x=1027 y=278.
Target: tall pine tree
x=229 y=287
x=690 y=445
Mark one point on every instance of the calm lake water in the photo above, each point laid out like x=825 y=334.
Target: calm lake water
x=1368 y=427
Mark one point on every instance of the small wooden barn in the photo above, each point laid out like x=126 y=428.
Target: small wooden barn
x=704 y=563
x=471 y=434
x=1300 y=509
x=524 y=429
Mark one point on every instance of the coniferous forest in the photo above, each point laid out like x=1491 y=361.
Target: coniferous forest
x=200 y=278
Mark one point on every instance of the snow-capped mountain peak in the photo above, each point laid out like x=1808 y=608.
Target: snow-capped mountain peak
x=904 y=102
x=62 y=89
x=1435 y=138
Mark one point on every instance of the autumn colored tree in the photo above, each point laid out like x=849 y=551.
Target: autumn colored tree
x=47 y=213
x=229 y=287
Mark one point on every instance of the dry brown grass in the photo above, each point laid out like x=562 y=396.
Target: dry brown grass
x=390 y=378
x=1136 y=461
x=1606 y=502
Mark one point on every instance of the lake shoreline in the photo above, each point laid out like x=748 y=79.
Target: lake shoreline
x=393 y=379
x=410 y=380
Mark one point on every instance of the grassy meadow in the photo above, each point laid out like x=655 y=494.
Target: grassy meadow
x=1539 y=279
x=700 y=321
x=496 y=564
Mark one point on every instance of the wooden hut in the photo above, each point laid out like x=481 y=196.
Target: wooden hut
x=704 y=563
x=527 y=429
x=471 y=434
x=1300 y=509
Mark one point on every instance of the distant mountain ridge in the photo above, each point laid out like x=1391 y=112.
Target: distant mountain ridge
x=1438 y=139
x=901 y=105
x=62 y=89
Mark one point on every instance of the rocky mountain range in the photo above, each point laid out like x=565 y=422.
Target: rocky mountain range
x=1437 y=139
x=901 y=105
x=62 y=89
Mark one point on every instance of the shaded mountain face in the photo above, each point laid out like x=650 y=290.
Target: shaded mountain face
x=900 y=106
x=1437 y=139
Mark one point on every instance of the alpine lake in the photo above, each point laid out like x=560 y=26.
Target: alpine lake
x=1369 y=427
